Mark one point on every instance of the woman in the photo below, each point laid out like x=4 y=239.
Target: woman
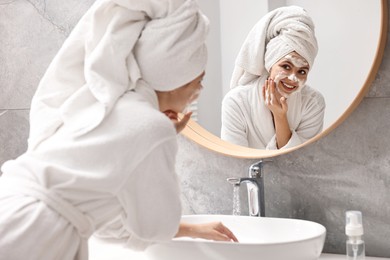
x=269 y=105
x=103 y=127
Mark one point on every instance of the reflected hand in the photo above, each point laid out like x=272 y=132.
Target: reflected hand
x=273 y=99
x=180 y=124
x=212 y=231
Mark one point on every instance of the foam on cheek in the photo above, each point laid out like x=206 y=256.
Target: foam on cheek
x=294 y=78
x=278 y=77
x=191 y=100
x=291 y=77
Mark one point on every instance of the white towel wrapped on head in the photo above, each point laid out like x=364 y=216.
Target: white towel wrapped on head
x=118 y=45
x=278 y=33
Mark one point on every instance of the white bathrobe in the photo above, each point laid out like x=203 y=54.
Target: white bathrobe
x=247 y=121
x=101 y=155
x=123 y=171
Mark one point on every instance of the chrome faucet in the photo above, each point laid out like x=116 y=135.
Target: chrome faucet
x=255 y=186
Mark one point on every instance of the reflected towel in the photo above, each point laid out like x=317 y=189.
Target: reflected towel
x=278 y=33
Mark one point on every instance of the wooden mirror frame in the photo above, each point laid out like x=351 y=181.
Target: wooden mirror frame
x=201 y=136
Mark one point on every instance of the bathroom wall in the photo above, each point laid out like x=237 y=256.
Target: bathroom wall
x=348 y=169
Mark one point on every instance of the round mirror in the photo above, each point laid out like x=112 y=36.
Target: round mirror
x=351 y=36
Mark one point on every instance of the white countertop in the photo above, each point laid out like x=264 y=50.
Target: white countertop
x=100 y=250
x=342 y=257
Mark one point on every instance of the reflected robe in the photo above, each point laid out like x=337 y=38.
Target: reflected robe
x=247 y=121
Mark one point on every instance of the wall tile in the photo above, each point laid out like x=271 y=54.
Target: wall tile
x=14 y=127
x=42 y=27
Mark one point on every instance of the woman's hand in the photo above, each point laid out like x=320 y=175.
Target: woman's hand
x=180 y=124
x=278 y=106
x=212 y=231
x=273 y=99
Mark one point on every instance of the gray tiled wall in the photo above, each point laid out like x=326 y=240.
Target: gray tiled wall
x=348 y=169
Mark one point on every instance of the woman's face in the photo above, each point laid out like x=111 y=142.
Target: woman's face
x=178 y=99
x=290 y=73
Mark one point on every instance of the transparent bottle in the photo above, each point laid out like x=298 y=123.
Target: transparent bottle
x=354 y=231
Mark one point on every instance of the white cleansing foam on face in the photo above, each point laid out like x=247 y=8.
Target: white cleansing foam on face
x=298 y=62
x=292 y=78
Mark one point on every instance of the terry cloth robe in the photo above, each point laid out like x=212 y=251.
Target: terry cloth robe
x=54 y=197
x=247 y=121
x=101 y=155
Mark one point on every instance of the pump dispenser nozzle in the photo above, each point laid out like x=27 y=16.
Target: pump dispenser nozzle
x=354 y=224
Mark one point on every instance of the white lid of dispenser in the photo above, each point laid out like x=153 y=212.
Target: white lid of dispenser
x=354 y=224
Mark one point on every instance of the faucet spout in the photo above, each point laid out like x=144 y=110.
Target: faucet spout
x=234 y=181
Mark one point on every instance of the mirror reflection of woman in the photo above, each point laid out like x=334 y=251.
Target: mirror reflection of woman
x=103 y=127
x=269 y=105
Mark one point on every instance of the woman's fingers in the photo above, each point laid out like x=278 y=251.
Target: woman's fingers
x=272 y=99
x=272 y=95
x=283 y=102
x=224 y=230
x=267 y=92
x=211 y=230
x=171 y=115
x=180 y=124
x=221 y=232
x=271 y=86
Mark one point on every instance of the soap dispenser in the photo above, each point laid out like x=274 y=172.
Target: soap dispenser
x=354 y=231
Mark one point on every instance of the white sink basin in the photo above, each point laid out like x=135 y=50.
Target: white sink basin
x=260 y=239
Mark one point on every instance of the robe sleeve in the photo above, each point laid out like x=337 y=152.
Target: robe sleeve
x=233 y=128
x=312 y=121
x=295 y=140
x=150 y=198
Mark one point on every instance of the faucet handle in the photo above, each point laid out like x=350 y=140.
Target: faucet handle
x=255 y=170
